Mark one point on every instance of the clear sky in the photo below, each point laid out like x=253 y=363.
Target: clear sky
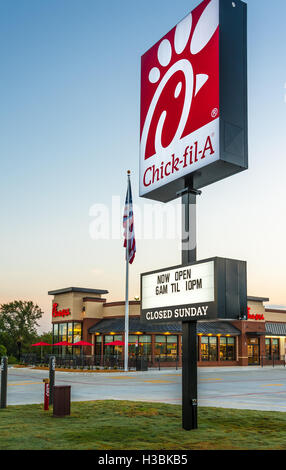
x=69 y=130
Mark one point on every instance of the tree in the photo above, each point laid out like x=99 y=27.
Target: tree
x=3 y=350
x=46 y=337
x=18 y=323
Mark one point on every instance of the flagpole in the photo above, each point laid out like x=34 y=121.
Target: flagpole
x=127 y=290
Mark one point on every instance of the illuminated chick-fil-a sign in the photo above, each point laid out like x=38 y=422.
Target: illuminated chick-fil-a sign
x=252 y=316
x=188 y=108
x=60 y=313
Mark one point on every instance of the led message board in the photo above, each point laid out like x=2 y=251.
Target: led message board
x=205 y=290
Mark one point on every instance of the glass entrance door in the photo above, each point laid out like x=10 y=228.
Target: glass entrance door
x=253 y=351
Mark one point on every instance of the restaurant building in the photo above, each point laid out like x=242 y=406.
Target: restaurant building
x=84 y=314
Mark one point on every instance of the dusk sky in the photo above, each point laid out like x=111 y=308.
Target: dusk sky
x=69 y=131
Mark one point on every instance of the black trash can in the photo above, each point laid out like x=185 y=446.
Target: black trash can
x=141 y=364
x=62 y=400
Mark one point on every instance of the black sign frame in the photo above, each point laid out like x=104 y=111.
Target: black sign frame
x=230 y=294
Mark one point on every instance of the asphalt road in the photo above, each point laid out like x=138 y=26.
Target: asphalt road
x=246 y=388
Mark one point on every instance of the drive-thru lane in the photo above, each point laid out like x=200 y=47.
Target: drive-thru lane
x=246 y=388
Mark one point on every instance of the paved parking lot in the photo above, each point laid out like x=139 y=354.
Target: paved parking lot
x=247 y=388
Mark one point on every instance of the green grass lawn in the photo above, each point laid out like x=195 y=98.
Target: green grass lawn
x=106 y=425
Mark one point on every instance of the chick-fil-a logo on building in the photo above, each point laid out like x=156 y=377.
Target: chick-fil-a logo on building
x=60 y=313
x=180 y=99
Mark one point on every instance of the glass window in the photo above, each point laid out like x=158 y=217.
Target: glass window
x=70 y=330
x=209 y=348
x=98 y=342
x=171 y=339
x=55 y=333
x=56 y=329
x=70 y=333
x=227 y=348
x=133 y=345
x=63 y=332
x=275 y=348
x=213 y=349
x=268 y=348
x=145 y=339
x=97 y=345
x=108 y=339
x=77 y=333
x=160 y=339
x=160 y=345
x=112 y=350
x=204 y=348
x=272 y=349
x=145 y=345
x=166 y=345
x=172 y=347
x=108 y=350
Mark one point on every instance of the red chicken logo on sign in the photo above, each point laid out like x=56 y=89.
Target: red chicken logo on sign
x=180 y=85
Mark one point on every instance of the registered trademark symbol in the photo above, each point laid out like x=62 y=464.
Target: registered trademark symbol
x=214 y=112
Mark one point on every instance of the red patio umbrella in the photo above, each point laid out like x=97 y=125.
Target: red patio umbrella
x=82 y=343
x=62 y=343
x=41 y=343
x=115 y=343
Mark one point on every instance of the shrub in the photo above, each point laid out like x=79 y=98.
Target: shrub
x=12 y=360
x=3 y=350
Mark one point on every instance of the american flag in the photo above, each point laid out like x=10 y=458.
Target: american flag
x=128 y=221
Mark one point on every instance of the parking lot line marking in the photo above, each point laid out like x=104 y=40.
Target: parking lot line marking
x=171 y=375
x=159 y=381
x=209 y=379
x=124 y=377
x=272 y=385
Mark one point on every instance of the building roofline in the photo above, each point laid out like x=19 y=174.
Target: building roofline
x=275 y=310
x=122 y=302
x=258 y=299
x=77 y=289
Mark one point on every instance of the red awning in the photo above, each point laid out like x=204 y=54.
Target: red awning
x=41 y=344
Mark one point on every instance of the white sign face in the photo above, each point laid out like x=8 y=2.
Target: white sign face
x=183 y=286
x=180 y=100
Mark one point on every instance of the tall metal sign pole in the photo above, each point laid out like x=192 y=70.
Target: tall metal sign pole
x=52 y=366
x=4 y=380
x=126 y=329
x=189 y=329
